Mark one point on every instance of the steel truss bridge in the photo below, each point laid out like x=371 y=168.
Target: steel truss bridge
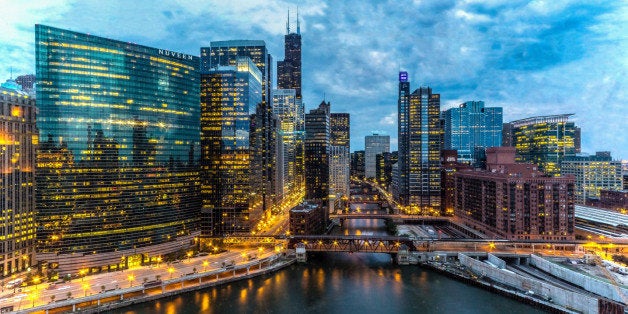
x=396 y=217
x=365 y=244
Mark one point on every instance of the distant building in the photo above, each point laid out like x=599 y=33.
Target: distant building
x=450 y=165
x=357 y=164
x=470 y=128
x=515 y=201
x=289 y=70
x=286 y=109
x=615 y=200
x=383 y=168
x=420 y=134
x=339 y=158
x=544 y=140
x=26 y=81
x=18 y=139
x=593 y=173
x=227 y=95
x=307 y=218
x=317 y=152
x=373 y=145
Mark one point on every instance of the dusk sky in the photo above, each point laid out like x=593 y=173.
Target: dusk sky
x=529 y=57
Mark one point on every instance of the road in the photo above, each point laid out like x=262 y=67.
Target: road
x=44 y=293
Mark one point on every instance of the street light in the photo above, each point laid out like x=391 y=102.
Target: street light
x=189 y=255
x=36 y=280
x=171 y=271
x=205 y=264
x=131 y=278
x=82 y=273
x=85 y=287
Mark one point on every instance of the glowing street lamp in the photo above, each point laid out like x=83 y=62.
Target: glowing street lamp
x=171 y=271
x=85 y=288
x=205 y=264
x=131 y=278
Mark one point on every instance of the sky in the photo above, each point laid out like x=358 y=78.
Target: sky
x=530 y=57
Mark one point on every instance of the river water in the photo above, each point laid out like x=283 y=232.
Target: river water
x=341 y=283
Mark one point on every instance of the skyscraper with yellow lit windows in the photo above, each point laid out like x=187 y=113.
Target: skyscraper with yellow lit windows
x=544 y=140
x=117 y=176
x=18 y=139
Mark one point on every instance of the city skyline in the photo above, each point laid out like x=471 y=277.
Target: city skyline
x=531 y=59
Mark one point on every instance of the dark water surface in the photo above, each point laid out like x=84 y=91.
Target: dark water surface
x=341 y=283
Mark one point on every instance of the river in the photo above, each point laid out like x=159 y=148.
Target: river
x=341 y=283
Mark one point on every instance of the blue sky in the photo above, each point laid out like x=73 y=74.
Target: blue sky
x=529 y=57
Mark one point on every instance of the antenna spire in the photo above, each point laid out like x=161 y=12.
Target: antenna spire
x=298 y=22
x=288 y=23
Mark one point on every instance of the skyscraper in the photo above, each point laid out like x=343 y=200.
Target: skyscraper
x=287 y=113
x=263 y=159
x=117 y=178
x=470 y=128
x=373 y=145
x=289 y=70
x=593 y=173
x=317 y=148
x=227 y=94
x=418 y=180
x=339 y=163
x=544 y=141
x=18 y=139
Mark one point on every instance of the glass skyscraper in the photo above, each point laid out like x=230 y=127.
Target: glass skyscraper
x=417 y=177
x=544 y=141
x=339 y=156
x=373 y=145
x=227 y=95
x=471 y=127
x=117 y=174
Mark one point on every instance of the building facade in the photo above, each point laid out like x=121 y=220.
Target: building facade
x=264 y=147
x=290 y=127
x=18 y=140
x=339 y=163
x=544 y=141
x=227 y=94
x=373 y=145
x=357 y=164
x=593 y=173
x=307 y=218
x=289 y=70
x=450 y=165
x=383 y=169
x=515 y=201
x=117 y=164
x=418 y=183
x=470 y=128
x=317 y=155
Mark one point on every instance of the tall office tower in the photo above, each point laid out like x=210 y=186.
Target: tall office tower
x=592 y=173
x=400 y=183
x=227 y=94
x=357 y=164
x=383 y=169
x=515 y=201
x=544 y=141
x=287 y=112
x=420 y=135
x=289 y=70
x=263 y=159
x=317 y=148
x=339 y=157
x=373 y=145
x=18 y=139
x=470 y=128
x=117 y=174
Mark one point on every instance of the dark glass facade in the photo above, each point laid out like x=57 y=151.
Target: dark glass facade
x=227 y=94
x=117 y=166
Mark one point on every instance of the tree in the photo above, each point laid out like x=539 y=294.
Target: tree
x=69 y=294
x=52 y=298
x=102 y=288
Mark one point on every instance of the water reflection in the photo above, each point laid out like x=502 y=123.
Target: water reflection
x=341 y=283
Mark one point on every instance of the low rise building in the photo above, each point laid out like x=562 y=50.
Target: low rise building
x=307 y=218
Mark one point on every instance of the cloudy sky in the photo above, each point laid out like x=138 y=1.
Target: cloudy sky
x=529 y=57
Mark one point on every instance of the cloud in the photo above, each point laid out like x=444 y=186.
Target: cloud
x=530 y=57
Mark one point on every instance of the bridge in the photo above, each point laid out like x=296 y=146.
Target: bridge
x=351 y=244
x=401 y=218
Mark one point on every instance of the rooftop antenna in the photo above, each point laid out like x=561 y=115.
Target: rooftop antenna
x=298 y=22
x=11 y=69
x=288 y=23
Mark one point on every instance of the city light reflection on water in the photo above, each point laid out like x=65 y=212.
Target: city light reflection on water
x=341 y=283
